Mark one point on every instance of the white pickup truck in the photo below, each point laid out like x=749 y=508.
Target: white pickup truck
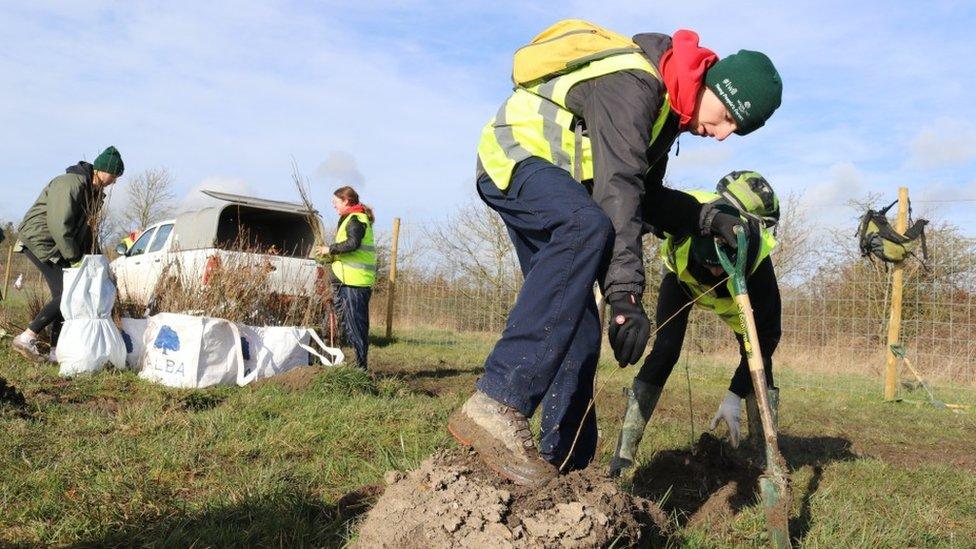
x=277 y=236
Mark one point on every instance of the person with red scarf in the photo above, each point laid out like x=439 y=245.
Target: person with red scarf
x=626 y=111
x=353 y=268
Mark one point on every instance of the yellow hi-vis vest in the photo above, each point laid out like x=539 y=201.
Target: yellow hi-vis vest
x=358 y=267
x=676 y=252
x=535 y=121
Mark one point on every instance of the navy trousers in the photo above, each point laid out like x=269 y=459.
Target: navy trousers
x=548 y=352
x=351 y=304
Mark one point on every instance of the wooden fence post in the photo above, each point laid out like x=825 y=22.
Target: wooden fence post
x=6 y=275
x=393 y=272
x=894 y=320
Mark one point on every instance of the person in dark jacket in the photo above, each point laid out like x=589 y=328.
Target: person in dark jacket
x=353 y=271
x=625 y=112
x=694 y=275
x=56 y=232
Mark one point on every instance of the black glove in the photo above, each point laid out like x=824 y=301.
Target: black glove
x=715 y=222
x=629 y=328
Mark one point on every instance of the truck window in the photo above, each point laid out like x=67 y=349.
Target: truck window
x=139 y=247
x=162 y=234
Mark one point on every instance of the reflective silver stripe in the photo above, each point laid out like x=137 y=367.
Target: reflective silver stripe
x=549 y=110
x=365 y=248
x=547 y=87
x=553 y=133
x=360 y=266
x=578 y=151
x=506 y=137
x=601 y=55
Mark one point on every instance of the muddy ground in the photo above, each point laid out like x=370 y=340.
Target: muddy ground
x=706 y=485
x=451 y=500
x=12 y=401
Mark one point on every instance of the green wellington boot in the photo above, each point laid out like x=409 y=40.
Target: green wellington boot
x=641 y=401
x=755 y=422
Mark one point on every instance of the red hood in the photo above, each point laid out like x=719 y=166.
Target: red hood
x=683 y=69
x=355 y=208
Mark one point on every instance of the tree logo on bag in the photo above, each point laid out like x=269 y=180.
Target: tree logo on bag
x=167 y=340
x=128 y=342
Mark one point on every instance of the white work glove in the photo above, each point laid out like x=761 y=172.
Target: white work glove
x=729 y=410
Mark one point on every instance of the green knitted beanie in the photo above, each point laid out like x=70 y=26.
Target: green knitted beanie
x=749 y=86
x=110 y=161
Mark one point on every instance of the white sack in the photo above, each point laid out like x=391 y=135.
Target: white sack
x=89 y=338
x=193 y=351
x=273 y=350
x=133 y=332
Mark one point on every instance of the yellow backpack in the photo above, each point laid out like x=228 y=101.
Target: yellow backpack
x=564 y=47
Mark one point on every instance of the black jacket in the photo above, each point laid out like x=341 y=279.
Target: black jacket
x=355 y=232
x=619 y=111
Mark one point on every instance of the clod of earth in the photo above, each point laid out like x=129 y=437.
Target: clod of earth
x=451 y=500
x=12 y=399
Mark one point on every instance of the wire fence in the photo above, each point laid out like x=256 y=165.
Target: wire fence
x=461 y=275
x=835 y=319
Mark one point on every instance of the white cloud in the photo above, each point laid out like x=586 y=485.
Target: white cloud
x=196 y=200
x=239 y=88
x=843 y=182
x=945 y=143
x=198 y=98
x=339 y=168
x=702 y=155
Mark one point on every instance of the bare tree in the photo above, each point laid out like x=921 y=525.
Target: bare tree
x=149 y=198
x=791 y=255
x=475 y=249
x=475 y=244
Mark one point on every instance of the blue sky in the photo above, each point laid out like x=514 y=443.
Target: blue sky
x=391 y=96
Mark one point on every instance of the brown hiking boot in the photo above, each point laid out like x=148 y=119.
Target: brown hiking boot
x=503 y=440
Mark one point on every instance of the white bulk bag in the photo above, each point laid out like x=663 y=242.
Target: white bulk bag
x=193 y=351
x=273 y=350
x=89 y=339
x=133 y=331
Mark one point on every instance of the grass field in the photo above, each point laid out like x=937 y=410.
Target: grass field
x=111 y=460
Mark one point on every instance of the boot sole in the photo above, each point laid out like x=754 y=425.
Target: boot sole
x=28 y=355
x=454 y=430
x=472 y=435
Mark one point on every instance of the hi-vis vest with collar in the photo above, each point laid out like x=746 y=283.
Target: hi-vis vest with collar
x=358 y=267
x=676 y=253
x=535 y=121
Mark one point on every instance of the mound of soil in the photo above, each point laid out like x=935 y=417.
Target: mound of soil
x=452 y=500
x=707 y=485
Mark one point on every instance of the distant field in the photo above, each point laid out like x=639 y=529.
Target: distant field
x=111 y=460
